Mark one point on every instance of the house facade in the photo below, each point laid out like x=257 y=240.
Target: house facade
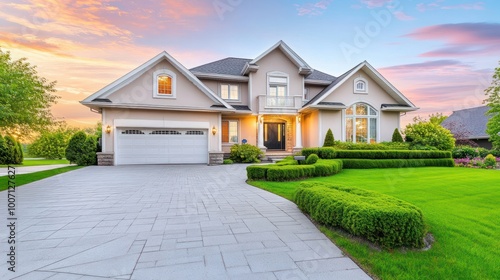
x=164 y=113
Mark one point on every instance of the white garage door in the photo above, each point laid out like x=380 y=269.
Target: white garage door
x=161 y=146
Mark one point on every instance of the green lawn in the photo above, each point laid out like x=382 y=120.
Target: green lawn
x=461 y=207
x=36 y=162
x=23 y=179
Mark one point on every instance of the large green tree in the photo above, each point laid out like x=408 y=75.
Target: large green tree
x=25 y=97
x=493 y=101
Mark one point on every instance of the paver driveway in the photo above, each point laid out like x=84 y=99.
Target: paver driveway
x=165 y=222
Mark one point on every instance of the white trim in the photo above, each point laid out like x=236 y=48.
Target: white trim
x=221 y=77
x=250 y=92
x=162 y=107
x=103 y=131
x=317 y=82
x=160 y=124
x=168 y=73
x=390 y=89
x=364 y=81
x=137 y=72
x=296 y=59
x=220 y=133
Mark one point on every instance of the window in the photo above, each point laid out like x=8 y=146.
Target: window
x=229 y=132
x=360 y=85
x=361 y=123
x=230 y=92
x=164 y=84
x=277 y=89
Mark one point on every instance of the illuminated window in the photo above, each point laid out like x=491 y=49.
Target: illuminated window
x=361 y=123
x=360 y=85
x=230 y=92
x=229 y=132
x=164 y=84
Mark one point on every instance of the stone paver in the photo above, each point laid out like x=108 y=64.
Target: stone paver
x=164 y=222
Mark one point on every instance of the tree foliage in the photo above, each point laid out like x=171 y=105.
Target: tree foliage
x=329 y=140
x=493 y=101
x=426 y=134
x=396 y=136
x=82 y=149
x=52 y=143
x=25 y=97
x=10 y=150
x=75 y=146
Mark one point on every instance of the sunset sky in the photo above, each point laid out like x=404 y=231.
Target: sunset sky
x=440 y=54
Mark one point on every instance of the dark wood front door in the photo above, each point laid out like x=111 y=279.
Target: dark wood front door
x=274 y=136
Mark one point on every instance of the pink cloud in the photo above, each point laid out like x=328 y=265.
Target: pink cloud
x=422 y=7
x=402 y=16
x=313 y=9
x=461 y=38
x=375 y=3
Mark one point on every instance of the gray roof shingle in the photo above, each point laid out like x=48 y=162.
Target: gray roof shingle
x=234 y=66
x=474 y=120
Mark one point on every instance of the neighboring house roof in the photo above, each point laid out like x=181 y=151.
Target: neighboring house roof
x=404 y=104
x=473 y=120
x=101 y=95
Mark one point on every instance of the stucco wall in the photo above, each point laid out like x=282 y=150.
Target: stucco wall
x=313 y=90
x=388 y=122
x=331 y=120
x=310 y=129
x=140 y=91
x=111 y=115
x=247 y=130
x=275 y=61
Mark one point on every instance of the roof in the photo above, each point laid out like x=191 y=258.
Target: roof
x=237 y=107
x=472 y=119
x=227 y=66
x=101 y=95
x=404 y=104
x=234 y=66
x=294 y=57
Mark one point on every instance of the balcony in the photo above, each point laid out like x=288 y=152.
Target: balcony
x=279 y=104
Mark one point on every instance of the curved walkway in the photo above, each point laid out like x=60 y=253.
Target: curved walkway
x=165 y=222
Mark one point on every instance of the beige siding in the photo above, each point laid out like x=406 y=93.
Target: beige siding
x=313 y=90
x=140 y=91
x=111 y=115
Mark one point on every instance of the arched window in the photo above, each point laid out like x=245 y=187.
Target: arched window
x=360 y=85
x=361 y=123
x=164 y=84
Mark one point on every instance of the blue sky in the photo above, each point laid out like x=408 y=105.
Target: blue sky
x=440 y=53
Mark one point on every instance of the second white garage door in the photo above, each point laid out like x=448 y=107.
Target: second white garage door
x=161 y=146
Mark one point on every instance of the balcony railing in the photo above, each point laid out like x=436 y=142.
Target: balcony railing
x=272 y=103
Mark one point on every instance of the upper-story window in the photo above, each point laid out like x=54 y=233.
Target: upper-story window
x=230 y=92
x=164 y=84
x=277 y=84
x=360 y=85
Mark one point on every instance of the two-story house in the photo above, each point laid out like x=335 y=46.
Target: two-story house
x=163 y=113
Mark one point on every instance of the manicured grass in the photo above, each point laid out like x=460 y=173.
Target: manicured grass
x=37 y=162
x=23 y=179
x=460 y=206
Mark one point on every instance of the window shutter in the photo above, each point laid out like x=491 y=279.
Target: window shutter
x=225 y=132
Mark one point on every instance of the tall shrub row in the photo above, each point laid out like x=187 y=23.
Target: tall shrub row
x=11 y=151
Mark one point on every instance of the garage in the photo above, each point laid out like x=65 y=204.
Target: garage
x=161 y=146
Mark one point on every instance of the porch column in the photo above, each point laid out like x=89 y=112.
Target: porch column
x=260 y=137
x=298 y=133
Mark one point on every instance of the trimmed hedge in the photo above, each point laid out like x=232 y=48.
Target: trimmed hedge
x=312 y=159
x=396 y=163
x=289 y=172
x=380 y=218
x=391 y=154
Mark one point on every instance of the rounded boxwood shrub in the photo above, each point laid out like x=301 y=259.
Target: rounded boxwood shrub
x=227 y=161
x=327 y=153
x=245 y=153
x=490 y=161
x=312 y=159
x=307 y=151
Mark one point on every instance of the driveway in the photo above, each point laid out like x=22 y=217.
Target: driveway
x=164 y=222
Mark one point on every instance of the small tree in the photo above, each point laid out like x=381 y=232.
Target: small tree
x=88 y=155
x=396 y=136
x=75 y=146
x=329 y=140
x=493 y=101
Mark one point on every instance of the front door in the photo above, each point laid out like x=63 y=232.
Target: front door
x=274 y=136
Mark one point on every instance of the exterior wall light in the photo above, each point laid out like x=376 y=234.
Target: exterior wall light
x=214 y=130
x=108 y=129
